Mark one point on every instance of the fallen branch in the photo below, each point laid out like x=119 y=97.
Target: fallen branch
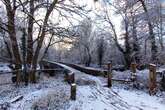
x=18 y=98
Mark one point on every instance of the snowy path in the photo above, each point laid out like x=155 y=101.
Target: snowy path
x=141 y=100
x=53 y=93
x=102 y=98
x=97 y=97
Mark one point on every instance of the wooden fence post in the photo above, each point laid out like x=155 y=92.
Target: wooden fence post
x=133 y=71
x=109 y=73
x=72 y=78
x=152 y=79
x=73 y=91
x=18 y=74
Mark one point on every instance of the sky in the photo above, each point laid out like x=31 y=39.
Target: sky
x=96 y=6
x=90 y=5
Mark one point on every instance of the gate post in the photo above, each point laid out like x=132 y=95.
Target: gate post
x=152 y=79
x=133 y=71
x=109 y=74
x=73 y=91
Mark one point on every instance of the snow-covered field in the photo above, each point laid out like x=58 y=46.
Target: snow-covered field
x=52 y=93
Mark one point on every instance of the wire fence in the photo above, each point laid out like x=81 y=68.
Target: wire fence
x=6 y=76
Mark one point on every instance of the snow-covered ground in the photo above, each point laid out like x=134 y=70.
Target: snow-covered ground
x=48 y=90
x=4 y=67
x=54 y=94
x=99 y=98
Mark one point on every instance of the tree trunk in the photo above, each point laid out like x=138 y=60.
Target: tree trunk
x=30 y=34
x=100 y=51
x=89 y=58
x=13 y=39
x=136 y=47
x=47 y=48
x=127 y=53
x=161 y=29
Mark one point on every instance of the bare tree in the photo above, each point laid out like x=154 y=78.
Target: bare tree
x=39 y=27
x=123 y=12
x=84 y=40
x=152 y=36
